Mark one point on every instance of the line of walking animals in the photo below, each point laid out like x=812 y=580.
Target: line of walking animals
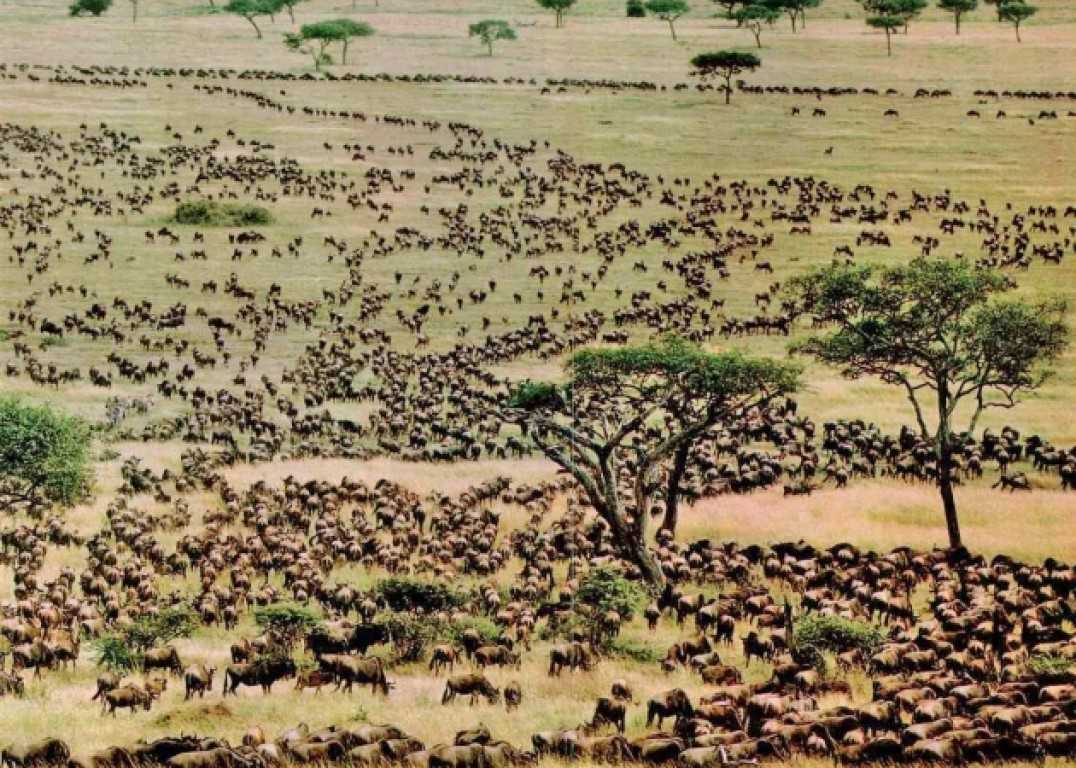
x=203 y=354
x=962 y=681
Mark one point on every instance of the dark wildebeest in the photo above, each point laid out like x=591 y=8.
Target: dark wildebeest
x=673 y=703
x=263 y=672
x=198 y=679
x=473 y=685
x=349 y=670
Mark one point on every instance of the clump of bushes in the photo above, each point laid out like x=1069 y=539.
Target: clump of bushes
x=532 y=395
x=605 y=589
x=401 y=593
x=1050 y=666
x=92 y=7
x=636 y=9
x=815 y=635
x=286 y=623
x=123 y=651
x=213 y=214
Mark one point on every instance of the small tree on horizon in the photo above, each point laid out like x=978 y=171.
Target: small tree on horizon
x=92 y=7
x=313 y=39
x=349 y=30
x=958 y=8
x=252 y=9
x=754 y=16
x=559 y=8
x=888 y=24
x=1016 y=12
x=726 y=65
x=289 y=6
x=668 y=11
x=937 y=329
x=730 y=7
x=491 y=30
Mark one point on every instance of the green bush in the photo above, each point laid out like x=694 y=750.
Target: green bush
x=412 y=635
x=486 y=628
x=402 y=593
x=636 y=9
x=286 y=623
x=92 y=7
x=531 y=395
x=1050 y=666
x=605 y=589
x=43 y=455
x=114 y=653
x=214 y=214
x=635 y=651
x=814 y=635
x=168 y=625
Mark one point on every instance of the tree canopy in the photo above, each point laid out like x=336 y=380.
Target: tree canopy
x=638 y=409
x=252 y=9
x=940 y=330
x=888 y=24
x=958 y=8
x=1016 y=12
x=724 y=64
x=92 y=7
x=668 y=11
x=44 y=455
x=752 y=17
x=491 y=30
x=559 y=8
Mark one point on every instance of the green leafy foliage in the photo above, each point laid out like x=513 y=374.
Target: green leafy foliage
x=726 y=65
x=815 y=635
x=252 y=9
x=91 y=7
x=1047 y=665
x=1016 y=12
x=668 y=11
x=559 y=8
x=605 y=589
x=491 y=30
x=636 y=9
x=210 y=213
x=286 y=623
x=753 y=17
x=535 y=395
x=167 y=625
x=403 y=593
x=43 y=455
x=114 y=653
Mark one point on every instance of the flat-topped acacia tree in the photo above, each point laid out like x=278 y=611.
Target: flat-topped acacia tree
x=668 y=11
x=252 y=9
x=958 y=8
x=627 y=412
x=491 y=30
x=889 y=25
x=1016 y=12
x=726 y=65
x=753 y=17
x=938 y=329
x=559 y=8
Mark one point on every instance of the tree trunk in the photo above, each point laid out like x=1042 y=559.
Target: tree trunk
x=956 y=16
x=489 y=46
x=888 y=43
x=291 y=13
x=1018 y=33
x=728 y=89
x=673 y=30
x=758 y=37
x=134 y=12
x=253 y=24
x=343 y=53
x=793 y=17
x=672 y=489
x=945 y=482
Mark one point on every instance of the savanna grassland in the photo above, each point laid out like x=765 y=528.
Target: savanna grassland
x=89 y=86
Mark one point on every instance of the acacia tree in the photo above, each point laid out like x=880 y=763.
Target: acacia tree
x=958 y=8
x=313 y=40
x=905 y=9
x=559 y=8
x=726 y=65
x=753 y=17
x=796 y=9
x=44 y=456
x=289 y=6
x=668 y=11
x=888 y=24
x=626 y=412
x=491 y=30
x=350 y=30
x=1016 y=12
x=938 y=330
x=729 y=6
x=252 y=9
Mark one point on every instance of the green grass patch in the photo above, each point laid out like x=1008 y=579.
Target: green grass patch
x=209 y=213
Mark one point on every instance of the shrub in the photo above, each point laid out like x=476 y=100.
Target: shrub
x=1050 y=666
x=286 y=623
x=531 y=395
x=92 y=7
x=636 y=651
x=636 y=9
x=114 y=653
x=412 y=635
x=814 y=635
x=211 y=213
x=402 y=593
x=486 y=628
x=605 y=589
x=166 y=626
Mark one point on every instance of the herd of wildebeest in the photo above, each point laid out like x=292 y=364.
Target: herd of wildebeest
x=203 y=339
